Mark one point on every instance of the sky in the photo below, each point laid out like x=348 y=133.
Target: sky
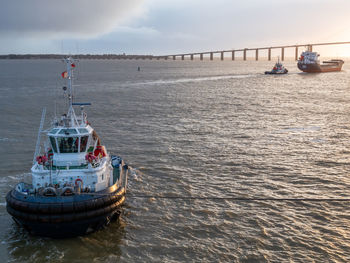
x=160 y=27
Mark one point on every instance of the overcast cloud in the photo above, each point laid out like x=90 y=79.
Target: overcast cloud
x=64 y=18
x=166 y=26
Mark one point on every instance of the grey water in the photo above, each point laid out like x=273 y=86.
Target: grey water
x=194 y=129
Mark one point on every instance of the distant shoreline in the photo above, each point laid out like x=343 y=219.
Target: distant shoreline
x=120 y=57
x=79 y=56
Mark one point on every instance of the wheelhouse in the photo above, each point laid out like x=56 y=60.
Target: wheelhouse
x=72 y=145
x=71 y=140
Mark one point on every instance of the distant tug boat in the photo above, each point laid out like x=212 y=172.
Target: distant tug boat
x=77 y=187
x=278 y=69
x=309 y=62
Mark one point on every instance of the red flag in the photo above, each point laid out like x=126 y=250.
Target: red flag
x=73 y=65
x=65 y=74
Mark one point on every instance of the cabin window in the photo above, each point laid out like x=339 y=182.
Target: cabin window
x=53 y=144
x=83 y=130
x=68 y=144
x=68 y=131
x=83 y=143
x=54 y=131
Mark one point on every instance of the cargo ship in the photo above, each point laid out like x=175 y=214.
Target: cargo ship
x=309 y=62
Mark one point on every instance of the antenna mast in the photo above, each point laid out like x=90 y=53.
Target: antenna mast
x=70 y=65
x=69 y=76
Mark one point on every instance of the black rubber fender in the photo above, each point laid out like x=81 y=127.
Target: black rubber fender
x=44 y=218
x=79 y=206
x=44 y=208
x=67 y=207
x=67 y=217
x=32 y=207
x=99 y=202
x=80 y=216
x=58 y=218
x=56 y=208
x=32 y=217
x=91 y=213
x=93 y=204
x=106 y=200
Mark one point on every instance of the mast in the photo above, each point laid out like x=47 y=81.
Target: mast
x=69 y=75
x=71 y=117
x=69 y=64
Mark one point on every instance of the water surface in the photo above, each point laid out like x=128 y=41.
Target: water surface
x=194 y=129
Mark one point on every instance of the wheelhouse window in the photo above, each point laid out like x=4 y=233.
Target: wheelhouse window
x=83 y=143
x=68 y=144
x=83 y=130
x=53 y=144
x=68 y=131
x=54 y=131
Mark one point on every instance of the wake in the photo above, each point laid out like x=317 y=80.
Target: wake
x=188 y=80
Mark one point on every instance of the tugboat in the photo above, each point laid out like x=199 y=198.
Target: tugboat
x=309 y=62
x=77 y=187
x=278 y=69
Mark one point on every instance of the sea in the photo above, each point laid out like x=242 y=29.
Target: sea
x=227 y=164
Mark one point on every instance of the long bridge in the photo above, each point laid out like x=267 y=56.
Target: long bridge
x=233 y=52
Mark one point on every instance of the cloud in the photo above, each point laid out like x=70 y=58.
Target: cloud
x=224 y=24
x=167 y=26
x=64 y=18
x=144 y=31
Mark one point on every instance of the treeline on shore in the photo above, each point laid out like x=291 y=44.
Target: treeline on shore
x=80 y=56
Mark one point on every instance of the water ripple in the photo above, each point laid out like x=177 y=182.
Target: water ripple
x=191 y=129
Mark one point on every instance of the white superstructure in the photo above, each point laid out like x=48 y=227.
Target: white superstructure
x=73 y=155
x=308 y=57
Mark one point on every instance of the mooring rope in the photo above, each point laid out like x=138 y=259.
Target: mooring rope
x=243 y=198
x=229 y=198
